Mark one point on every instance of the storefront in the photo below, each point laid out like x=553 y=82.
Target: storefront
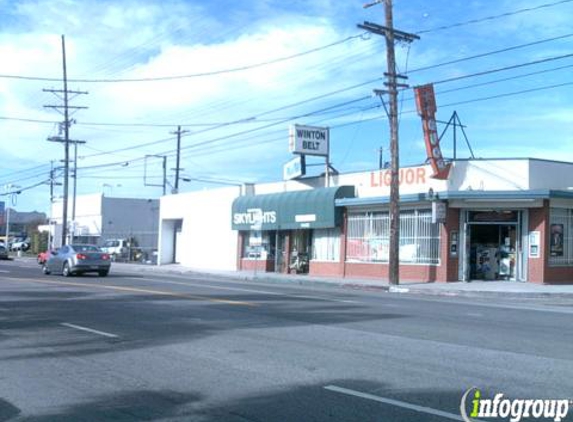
x=504 y=219
x=283 y=232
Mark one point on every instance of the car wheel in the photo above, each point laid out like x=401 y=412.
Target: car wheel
x=103 y=273
x=66 y=270
x=46 y=270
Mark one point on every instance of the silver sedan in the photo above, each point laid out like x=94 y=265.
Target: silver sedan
x=78 y=259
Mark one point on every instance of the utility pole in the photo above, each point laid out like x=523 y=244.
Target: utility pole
x=66 y=140
x=178 y=168
x=392 y=35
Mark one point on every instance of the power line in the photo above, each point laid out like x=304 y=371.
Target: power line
x=491 y=53
x=193 y=75
x=489 y=18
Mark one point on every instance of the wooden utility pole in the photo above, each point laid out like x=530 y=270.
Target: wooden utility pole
x=392 y=35
x=66 y=140
x=179 y=132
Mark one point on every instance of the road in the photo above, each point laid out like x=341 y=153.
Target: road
x=159 y=347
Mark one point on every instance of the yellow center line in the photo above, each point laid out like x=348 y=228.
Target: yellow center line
x=138 y=290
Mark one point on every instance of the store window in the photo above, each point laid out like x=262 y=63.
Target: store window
x=560 y=239
x=369 y=237
x=326 y=245
x=259 y=244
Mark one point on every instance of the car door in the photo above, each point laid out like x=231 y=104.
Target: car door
x=58 y=259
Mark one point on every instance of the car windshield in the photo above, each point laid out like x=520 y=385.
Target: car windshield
x=111 y=243
x=85 y=248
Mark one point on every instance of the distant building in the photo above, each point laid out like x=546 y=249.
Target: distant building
x=20 y=221
x=99 y=218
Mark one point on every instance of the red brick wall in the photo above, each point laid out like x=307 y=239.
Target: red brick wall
x=408 y=273
x=448 y=270
x=240 y=250
x=328 y=269
x=359 y=269
x=559 y=275
x=539 y=221
x=257 y=264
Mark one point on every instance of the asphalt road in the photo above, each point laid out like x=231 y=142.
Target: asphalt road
x=158 y=347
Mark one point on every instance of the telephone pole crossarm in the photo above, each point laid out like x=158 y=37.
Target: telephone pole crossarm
x=384 y=31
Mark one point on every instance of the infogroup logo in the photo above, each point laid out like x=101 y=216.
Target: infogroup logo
x=514 y=409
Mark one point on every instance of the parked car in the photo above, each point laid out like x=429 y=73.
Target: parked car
x=20 y=245
x=118 y=249
x=3 y=252
x=78 y=259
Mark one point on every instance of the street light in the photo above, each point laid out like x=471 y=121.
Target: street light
x=11 y=192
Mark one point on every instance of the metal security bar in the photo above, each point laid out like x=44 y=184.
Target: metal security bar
x=368 y=237
x=560 y=238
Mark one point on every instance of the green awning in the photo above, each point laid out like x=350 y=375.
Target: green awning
x=312 y=208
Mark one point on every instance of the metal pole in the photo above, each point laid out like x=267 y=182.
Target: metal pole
x=455 y=137
x=178 y=159
x=75 y=187
x=394 y=264
x=7 y=228
x=67 y=147
x=164 y=175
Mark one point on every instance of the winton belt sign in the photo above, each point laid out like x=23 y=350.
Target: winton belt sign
x=309 y=140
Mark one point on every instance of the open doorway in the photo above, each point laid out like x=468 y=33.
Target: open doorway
x=492 y=254
x=300 y=253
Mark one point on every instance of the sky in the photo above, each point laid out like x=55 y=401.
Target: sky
x=236 y=74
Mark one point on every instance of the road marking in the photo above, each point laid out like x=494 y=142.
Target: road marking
x=4 y=271
x=397 y=403
x=89 y=330
x=240 y=289
x=474 y=314
x=138 y=290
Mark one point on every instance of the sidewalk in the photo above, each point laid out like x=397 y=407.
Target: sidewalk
x=505 y=289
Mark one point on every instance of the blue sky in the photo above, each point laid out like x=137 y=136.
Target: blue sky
x=237 y=121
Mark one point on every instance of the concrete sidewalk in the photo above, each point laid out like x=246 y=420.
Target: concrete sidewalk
x=506 y=289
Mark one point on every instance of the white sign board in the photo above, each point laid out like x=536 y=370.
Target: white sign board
x=534 y=244
x=294 y=168
x=439 y=212
x=309 y=140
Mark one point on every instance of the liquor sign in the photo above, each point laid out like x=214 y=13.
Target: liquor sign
x=426 y=105
x=294 y=168
x=309 y=140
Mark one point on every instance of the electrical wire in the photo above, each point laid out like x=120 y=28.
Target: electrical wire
x=193 y=75
x=491 y=53
x=489 y=18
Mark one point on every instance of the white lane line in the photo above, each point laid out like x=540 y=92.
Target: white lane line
x=238 y=289
x=4 y=271
x=89 y=330
x=475 y=314
x=397 y=403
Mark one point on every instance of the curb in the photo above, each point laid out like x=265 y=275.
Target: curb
x=481 y=293
x=397 y=290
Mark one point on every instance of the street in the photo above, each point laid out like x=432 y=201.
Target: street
x=163 y=347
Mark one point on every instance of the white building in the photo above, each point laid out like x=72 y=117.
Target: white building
x=99 y=218
x=508 y=219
